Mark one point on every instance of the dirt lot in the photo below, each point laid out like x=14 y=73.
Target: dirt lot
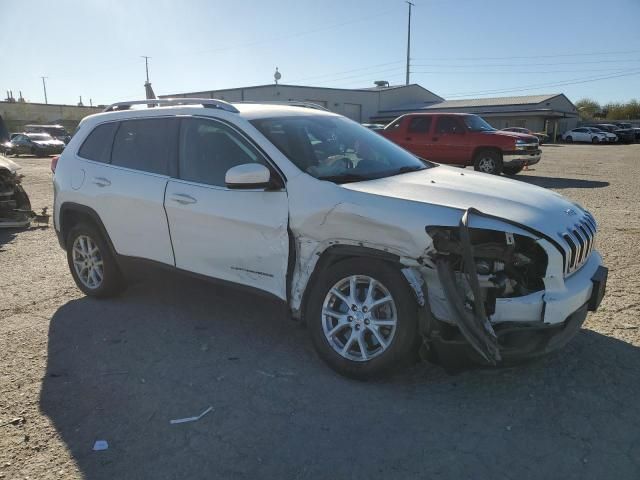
x=79 y=370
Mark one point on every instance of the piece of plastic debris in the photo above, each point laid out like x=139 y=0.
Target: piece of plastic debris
x=100 y=445
x=190 y=419
x=15 y=421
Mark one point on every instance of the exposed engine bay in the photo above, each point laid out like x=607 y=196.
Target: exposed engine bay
x=476 y=267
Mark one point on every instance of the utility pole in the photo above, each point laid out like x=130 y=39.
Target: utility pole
x=409 y=41
x=146 y=65
x=44 y=86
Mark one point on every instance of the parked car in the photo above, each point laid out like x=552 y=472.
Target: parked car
x=56 y=131
x=340 y=224
x=609 y=137
x=628 y=126
x=542 y=136
x=464 y=139
x=584 y=134
x=38 y=144
x=625 y=135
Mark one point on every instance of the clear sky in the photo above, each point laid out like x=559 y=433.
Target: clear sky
x=460 y=48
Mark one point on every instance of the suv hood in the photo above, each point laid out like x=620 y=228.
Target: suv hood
x=535 y=207
x=49 y=143
x=516 y=135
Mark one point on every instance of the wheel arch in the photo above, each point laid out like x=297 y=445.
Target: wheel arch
x=71 y=214
x=338 y=253
x=486 y=148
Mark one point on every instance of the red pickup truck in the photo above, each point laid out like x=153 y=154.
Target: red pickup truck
x=463 y=139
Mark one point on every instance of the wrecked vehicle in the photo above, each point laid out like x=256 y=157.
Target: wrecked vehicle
x=382 y=254
x=15 y=208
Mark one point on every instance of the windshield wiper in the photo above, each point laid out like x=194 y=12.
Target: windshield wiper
x=407 y=169
x=345 y=178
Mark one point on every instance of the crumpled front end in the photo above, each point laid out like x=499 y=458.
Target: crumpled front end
x=15 y=207
x=503 y=292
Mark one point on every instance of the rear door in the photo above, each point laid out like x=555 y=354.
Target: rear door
x=418 y=135
x=231 y=234
x=126 y=169
x=449 y=142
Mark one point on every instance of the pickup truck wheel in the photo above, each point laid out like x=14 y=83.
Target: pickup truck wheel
x=362 y=318
x=488 y=161
x=511 y=170
x=91 y=262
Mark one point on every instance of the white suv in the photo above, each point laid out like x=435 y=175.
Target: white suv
x=382 y=254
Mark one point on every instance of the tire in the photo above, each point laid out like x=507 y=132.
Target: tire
x=512 y=170
x=488 y=161
x=569 y=139
x=595 y=140
x=380 y=358
x=88 y=238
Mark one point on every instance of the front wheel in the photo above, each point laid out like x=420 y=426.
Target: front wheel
x=362 y=318
x=91 y=262
x=569 y=139
x=488 y=161
x=595 y=140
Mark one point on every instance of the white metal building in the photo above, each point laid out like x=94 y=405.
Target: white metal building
x=552 y=113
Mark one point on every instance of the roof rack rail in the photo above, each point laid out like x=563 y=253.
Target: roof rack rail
x=291 y=103
x=157 y=102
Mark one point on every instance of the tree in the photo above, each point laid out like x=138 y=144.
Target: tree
x=588 y=108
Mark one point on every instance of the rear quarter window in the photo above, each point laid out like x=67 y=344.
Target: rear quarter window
x=97 y=146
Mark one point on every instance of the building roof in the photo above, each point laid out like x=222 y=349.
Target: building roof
x=495 y=101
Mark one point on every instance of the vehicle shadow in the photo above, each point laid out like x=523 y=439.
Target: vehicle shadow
x=560 y=183
x=8 y=235
x=119 y=370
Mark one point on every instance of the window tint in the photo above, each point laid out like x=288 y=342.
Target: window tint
x=97 y=145
x=148 y=144
x=447 y=124
x=581 y=130
x=208 y=149
x=420 y=125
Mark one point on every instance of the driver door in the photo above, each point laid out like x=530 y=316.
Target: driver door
x=449 y=142
x=236 y=235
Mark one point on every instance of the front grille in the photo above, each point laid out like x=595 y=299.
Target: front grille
x=580 y=240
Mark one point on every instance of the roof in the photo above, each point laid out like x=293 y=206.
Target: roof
x=495 y=101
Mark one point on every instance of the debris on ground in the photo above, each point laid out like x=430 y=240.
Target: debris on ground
x=190 y=419
x=15 y=206
x=14 y=421
x=100 y=445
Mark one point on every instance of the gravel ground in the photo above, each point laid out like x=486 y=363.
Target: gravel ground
x=77 y=370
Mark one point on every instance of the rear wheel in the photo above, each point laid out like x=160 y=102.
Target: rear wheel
x=488 y=161
x=362 y=318
x=512 y=170
x=91 y=262
x=595 y=140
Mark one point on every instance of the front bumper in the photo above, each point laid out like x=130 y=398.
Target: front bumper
x=521 y=158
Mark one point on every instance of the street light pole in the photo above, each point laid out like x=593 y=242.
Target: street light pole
x=44 y=86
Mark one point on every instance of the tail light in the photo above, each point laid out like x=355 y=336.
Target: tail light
x=54 y=163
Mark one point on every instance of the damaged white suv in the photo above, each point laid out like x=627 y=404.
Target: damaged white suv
x=381 y=253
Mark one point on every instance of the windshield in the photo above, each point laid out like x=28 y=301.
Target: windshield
x=477 y=124
x=337 y=149
x=40 y=136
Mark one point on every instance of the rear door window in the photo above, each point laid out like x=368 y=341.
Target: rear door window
x=420 y=125
x=97 y=146
x=446 y=124
x=148 y=144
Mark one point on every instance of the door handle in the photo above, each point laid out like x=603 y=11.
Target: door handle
x=408 y=138
x=435 y=139
x=183 y=199
x=101 y=181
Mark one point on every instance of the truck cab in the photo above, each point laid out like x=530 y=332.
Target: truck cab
x=465 y=140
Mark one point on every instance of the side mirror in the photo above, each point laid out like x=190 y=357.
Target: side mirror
x=248 y=175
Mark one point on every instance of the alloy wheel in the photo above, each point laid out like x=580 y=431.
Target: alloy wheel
x=87 y=262
x=359 y=318
x=487 y=165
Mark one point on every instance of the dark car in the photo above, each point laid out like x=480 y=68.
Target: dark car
x=56 y=131
x=625 y=135
x=542 y=137
x=39 y=144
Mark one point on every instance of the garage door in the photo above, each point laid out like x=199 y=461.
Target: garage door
x=353 y=111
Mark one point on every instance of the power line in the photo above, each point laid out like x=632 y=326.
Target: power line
x=346 y=71
x=543 y=85
x=525 y=64
x=504 y=72
x=587 y=54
